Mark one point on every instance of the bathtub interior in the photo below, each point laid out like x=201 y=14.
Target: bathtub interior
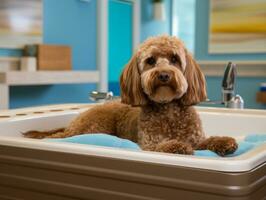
x=225 y=122
x=219 y=121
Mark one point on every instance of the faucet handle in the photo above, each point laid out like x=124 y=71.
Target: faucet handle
x=236 y=102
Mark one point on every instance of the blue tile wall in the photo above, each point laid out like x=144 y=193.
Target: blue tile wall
x=120 y=41
x=151 y=27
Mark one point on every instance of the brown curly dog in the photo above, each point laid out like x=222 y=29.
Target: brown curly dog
x=159 y=85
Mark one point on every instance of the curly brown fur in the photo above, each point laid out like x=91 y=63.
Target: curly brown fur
x=174 y=146
x=159 y=85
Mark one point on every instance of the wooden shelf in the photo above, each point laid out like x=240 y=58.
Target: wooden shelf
x=20 y=78
x=10 y=76
x=16 y=78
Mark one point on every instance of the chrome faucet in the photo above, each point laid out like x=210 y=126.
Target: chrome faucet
x=229 y=99
x=101 y=96
x=228 y=83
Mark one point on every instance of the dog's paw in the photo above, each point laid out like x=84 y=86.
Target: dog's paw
x=173 y=146
x=223 y=145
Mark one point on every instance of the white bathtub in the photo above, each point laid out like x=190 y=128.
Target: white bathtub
x=216 y=121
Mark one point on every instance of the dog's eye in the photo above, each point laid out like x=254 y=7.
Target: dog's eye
x=174 y=59
x=151 y=61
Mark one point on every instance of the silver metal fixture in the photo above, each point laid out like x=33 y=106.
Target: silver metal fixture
x=236 y=102
x=228 y=83
x=229 y=99
x=97 y=96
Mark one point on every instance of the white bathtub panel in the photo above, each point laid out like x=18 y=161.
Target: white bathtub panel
x=14 y=127
x=232 y=124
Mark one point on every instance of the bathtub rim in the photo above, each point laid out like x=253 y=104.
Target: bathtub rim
x=242 y=163
x=85 y=106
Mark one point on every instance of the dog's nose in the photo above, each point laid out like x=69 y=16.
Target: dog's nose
x=164 y=77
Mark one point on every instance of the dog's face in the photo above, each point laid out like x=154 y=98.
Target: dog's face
x=162 y=71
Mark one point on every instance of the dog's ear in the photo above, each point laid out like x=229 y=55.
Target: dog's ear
x=130 y=84
x=196 y=91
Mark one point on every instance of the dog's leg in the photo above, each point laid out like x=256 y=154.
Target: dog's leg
x=174 y=146
x=220 y=145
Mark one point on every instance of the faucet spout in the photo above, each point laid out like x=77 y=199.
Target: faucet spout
x=228 y=83
x=229 y=77
x=229 y=99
